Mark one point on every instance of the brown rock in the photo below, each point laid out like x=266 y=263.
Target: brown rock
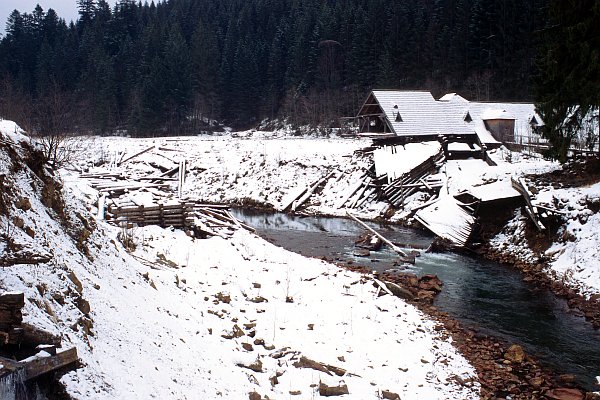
x=566 y=379
x=256 y=366
x=23 y=204
x=19 y=223
x=222 y=297
x=426 y=295
x=431 y=283
x=386 y=394
x=254 y=396
x=328 y=391
x=236 y=333
x=247 y=346
x=83 y=305
x=564 y=394
x=28 y=230
x=536 y=381
x=361 y=253
x=71 y=275
x=515 y=354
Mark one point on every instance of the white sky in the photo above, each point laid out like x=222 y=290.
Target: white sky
x=66 y=9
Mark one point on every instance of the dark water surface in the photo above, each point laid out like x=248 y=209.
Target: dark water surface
x=488 y=296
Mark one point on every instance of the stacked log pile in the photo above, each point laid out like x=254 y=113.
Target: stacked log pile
x=203 y=219
x=177 y=215
x=119 y=195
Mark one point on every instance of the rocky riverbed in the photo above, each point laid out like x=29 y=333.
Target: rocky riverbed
x=504 y=370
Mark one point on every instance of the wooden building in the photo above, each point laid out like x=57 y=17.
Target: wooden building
x=407 y=116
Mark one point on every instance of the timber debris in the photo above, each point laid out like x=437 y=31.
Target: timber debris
x=19 y=338
x=157 y=198
x=417 y=179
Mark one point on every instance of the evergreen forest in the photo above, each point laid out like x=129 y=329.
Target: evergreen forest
x=172 y=67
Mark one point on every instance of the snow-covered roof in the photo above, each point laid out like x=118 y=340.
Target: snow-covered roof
x=418 y=113
x=495 y=113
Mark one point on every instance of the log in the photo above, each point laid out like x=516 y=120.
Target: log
x=135 y=155
x=8 y=366
x=386 y=241
x=521 y=187
x=310 y=191
x=15 y=259
x=350 y=193
x=292 y=198
x=41 y=364
x=360 y=193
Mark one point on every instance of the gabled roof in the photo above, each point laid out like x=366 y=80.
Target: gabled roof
x=495 y=113
x=522 y=113
x=416 y=113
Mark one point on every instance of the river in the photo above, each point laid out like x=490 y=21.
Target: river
x=488 y=296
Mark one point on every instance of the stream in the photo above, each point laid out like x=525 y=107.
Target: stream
x=481 y=294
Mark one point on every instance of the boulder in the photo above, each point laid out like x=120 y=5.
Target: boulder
x=361 y=253
x=515 y=354
x=23 y=204
x=369 y=242
x=564 y=394
x=386 y=394
x=328 y=391
x=430 y=282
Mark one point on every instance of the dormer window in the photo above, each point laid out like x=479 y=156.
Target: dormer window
x=468 y=117
x=533 y=121
x=398 y=118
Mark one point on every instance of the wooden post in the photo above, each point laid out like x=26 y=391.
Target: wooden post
x=386 y=241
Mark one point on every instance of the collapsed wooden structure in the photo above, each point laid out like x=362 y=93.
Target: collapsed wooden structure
x=168 y=207
x=14 y=335
x=417 y=179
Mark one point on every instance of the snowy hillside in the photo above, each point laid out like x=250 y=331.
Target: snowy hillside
x=182 y=318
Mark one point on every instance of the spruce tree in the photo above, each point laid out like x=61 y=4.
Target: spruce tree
x=567 y=86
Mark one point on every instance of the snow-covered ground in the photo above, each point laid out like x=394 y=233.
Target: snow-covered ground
x=182 y=318
x=269 y=168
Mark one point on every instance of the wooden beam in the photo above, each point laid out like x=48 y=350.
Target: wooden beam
x=386 y=241
x=136 y=154
x=40 y=365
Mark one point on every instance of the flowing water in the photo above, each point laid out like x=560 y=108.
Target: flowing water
x=487 y=296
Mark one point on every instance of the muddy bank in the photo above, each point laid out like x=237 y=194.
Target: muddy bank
x=503 y=369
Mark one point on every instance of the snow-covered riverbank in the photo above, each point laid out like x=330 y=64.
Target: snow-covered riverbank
x=187 y=318
x=268 y=169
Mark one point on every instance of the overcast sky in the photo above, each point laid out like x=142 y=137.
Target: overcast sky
x=66 y=9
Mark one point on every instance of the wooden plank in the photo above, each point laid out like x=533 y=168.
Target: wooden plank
x=135 y=155
x=310 y=191
x=520 y=186
x=36 y=366
x=350 y=193
x=9 y=366
x=386 y=241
